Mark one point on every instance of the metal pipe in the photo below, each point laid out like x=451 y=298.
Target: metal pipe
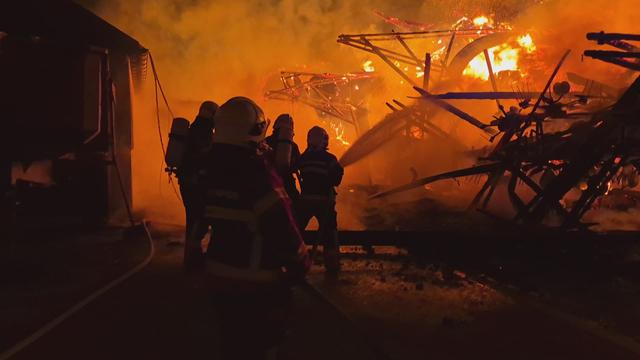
x=427 y=71
x=603 y=37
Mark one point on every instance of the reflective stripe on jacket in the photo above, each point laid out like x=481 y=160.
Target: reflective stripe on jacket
x=249 y=212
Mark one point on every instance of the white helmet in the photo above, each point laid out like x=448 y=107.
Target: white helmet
x=317 y=138
x=239 y=121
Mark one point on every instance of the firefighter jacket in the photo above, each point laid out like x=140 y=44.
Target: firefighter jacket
x=320 y=172
x=253 y=227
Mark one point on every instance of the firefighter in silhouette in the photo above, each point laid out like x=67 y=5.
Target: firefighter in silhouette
x=256 y=251
x=198 y=144
x=285 y=153
x=320 y=173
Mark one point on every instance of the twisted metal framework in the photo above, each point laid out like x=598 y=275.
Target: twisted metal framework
x=373 y=43
x=628 y=58
x=330 y=94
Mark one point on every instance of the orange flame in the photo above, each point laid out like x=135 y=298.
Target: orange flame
x=503 y=57
x=526 y=42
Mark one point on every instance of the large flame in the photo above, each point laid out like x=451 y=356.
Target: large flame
x=503 y=57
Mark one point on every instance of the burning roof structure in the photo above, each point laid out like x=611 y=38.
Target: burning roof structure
x=474 y=48
x=454 y=53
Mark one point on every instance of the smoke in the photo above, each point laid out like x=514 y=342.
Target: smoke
x=218 y=49
x=562 y=25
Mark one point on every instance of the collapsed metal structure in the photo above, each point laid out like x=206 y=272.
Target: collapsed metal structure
x=333 y=94
x=340 y=96
x=588 y=155
x=598 y=143
x=440 y=70
x=380 y=44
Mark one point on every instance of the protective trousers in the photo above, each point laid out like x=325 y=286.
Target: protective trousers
x=323 y=209
x=193 y=201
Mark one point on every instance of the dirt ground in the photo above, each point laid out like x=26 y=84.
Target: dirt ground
x=164 y=313
x=392 y=306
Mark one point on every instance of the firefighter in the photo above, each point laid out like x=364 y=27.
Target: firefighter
x=285 y=153
x=198 y=145
x=320 y=173
x=256 y=251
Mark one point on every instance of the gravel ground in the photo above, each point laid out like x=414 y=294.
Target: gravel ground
x=377 y=284
x=426 y=311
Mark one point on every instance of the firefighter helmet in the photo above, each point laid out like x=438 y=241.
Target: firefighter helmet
x=283 y=120
x=208 y=109
x=239 y=121
x=317 y=138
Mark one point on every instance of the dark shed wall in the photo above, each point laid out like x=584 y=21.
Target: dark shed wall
x=123 y=145
x=68 y=28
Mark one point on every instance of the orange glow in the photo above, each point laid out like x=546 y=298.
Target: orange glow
x=502 y=57
x=196 y=63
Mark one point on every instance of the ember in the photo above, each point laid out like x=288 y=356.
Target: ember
x=482 y=21
x=367 y=66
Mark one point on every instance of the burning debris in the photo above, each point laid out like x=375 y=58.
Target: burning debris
x=586 y=155
x=540 y=139
x=395 y=48
x=482 y=46
x=541 y=142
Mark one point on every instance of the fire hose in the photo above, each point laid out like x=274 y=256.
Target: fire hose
x=24 y=343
